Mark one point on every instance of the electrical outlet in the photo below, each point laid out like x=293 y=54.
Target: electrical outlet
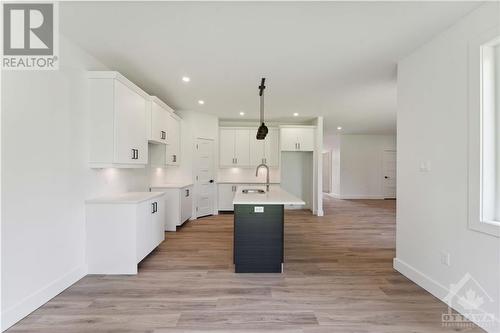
x=425 y=166
x=445 y=258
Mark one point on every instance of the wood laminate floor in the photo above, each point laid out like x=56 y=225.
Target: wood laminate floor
x=338 y=278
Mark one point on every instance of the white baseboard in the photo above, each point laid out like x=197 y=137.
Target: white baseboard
x=437 y=289
x=361 y=196
x=32 y=302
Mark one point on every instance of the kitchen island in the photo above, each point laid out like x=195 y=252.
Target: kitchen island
x=259 y=228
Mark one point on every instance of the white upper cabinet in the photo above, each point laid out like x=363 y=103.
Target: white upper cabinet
x=117 y=122
x=299 y=138
x=239 y=147
x=173 y=147
x=226 y=151
x=242 y=147
x=234 y=147
x=265 y=151
x=156 y=120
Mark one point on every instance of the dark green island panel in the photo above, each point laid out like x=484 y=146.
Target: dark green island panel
x=258 y=238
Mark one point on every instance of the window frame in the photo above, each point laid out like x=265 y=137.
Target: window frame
x=477 y=47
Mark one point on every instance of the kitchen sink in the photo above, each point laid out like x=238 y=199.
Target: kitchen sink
x=253 y=190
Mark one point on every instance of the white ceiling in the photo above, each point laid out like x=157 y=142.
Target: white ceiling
x=335 y=59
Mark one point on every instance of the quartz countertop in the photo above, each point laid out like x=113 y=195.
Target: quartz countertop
x=275 y=196
x=172 y=185
x=125 y=198
x=250 y=183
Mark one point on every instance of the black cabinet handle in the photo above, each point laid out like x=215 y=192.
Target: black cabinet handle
x=137 y=154
x=187 y=193
x=174 y=158
x=211 y=181
x=133 y=153
x=154 y=206
x=163 y=135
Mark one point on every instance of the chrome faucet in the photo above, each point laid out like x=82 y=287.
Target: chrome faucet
x=267 y=174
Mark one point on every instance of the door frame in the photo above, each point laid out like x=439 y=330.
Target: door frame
x=195 y=180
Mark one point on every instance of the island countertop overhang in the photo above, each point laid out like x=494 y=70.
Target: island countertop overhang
x=275 y=196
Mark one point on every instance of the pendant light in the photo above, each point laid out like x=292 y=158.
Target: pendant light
x=262 y=131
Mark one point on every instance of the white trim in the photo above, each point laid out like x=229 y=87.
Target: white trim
x=117 y=76
x=474 y=135
x=361 y=196
x=32 y=302
x=436 y=289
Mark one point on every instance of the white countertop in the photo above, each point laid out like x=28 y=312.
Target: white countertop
x=251 y=183
x=125 y=198
x=172 y=185
x=275 y=196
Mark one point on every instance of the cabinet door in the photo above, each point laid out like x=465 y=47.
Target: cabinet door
x=186 y=203
x=257 y=154
x=159 y=123
x=226 y=147
x=130 y=126
x=242 y=147
x=288 y=139
x=157 y=222
x=272 y=148
x=173 y=141
x=306 y=139
x=226 y=195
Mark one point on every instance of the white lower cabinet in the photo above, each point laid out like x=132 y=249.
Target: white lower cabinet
x=178 y=204
x=123 y=230
x=226 y=194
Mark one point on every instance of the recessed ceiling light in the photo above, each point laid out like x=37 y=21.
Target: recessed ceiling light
x=201 y=102
x=242 y=113
x=295 y=114
x=186 y=79
x=339 y=127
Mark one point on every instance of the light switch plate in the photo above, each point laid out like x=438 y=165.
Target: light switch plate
x=258 y=209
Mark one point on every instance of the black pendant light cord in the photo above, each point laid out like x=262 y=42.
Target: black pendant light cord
x=261 y=94
x=262 y=131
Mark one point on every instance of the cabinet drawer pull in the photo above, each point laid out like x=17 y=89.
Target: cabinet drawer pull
x=187 y=193
x=154 y=207
x=133 y=153
x=137 y=154
x=163 y=135
x=174 y=158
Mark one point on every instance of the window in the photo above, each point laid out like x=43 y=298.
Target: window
x=490 y=131
x=484 y=133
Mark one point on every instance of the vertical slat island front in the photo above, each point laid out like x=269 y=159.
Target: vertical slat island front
x=259 y=229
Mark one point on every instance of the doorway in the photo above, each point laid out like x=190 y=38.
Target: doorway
x=389 y=174
x=204 y=177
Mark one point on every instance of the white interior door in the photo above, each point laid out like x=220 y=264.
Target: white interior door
x=327 y=172
x=389 y=174
x=205 y=175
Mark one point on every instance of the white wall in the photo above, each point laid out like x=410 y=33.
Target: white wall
x=45 y=180
x=432 y=206
x=360 y=172
x=297 y=177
